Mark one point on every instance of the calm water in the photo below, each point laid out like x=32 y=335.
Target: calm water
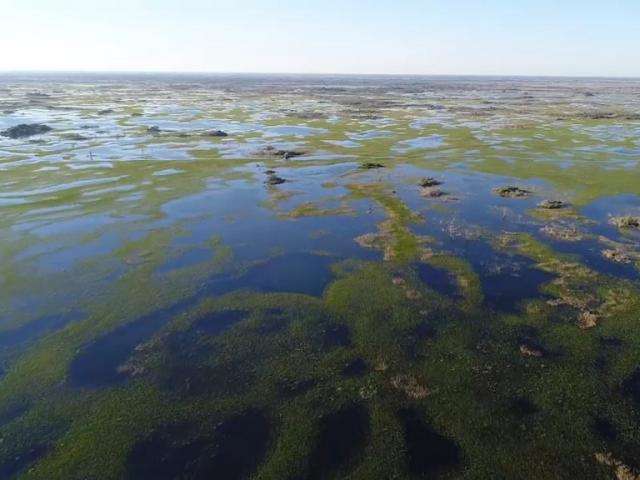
x=288 y=300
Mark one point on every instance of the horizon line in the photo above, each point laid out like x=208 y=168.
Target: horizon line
x=343 y=74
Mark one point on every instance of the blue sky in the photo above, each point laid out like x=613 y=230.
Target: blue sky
x=522 y=37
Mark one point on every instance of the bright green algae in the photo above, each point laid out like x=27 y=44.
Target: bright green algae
x=544 y=391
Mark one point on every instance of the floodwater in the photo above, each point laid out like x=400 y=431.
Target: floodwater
x=319 y=277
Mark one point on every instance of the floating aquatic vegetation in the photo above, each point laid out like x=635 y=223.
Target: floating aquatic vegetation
x=309 y=209
x=273 y=179
x=563 y=232
x=626 y=222
x=394 y=236
x=588 y=319
x=427 y=182
x=216 y=133
x=530 y=351
x=410 y=386
x=26 y=130
x=284 y=154
x=620 y=469
x=621 y=252
x=618 y=256
x=511 y=191
x=431 y=192
x=552 y=204
x=371 y=165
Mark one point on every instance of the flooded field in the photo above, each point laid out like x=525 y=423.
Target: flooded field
x=316 y=277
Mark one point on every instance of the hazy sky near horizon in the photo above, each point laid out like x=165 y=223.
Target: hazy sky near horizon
x=523 y=37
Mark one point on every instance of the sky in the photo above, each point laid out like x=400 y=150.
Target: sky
x=475 y=37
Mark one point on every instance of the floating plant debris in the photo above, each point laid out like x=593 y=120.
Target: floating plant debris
x=26 y=130
x=273 y=179
x=615 y=255
x=217 y=133
x=552 y=204
x=432 y=192
x=410 y=386
x=626 y=222
x=429 y=182
x=285 y=154
x=511 y=191
x=371 y=165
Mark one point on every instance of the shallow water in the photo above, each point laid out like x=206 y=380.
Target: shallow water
x=168 y=311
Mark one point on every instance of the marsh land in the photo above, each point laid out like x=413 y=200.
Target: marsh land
x=319 y=277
